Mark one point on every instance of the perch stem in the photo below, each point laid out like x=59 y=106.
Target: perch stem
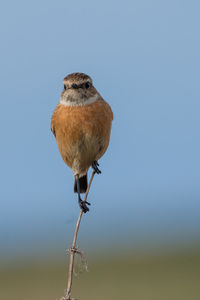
x=73 y=249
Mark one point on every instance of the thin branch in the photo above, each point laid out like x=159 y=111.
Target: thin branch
x=73 y=249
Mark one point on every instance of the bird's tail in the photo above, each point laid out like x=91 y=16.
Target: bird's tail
x=83 y=182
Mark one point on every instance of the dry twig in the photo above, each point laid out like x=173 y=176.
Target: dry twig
x=73 y=249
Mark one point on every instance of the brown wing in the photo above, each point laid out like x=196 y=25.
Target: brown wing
x=53 y=127
x=53 y=130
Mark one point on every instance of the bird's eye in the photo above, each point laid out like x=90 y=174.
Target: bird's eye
x=87 y=85
x=65 y=87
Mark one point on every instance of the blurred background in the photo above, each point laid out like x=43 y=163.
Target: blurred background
x=142 y=234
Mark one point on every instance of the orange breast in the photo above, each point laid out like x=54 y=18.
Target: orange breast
x=82 y=133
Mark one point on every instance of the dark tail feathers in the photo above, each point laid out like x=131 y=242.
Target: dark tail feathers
x=83 y=184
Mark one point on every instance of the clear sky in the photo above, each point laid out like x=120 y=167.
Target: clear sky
x=143 y=57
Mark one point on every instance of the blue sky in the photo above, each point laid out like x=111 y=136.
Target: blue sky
x=143 y=57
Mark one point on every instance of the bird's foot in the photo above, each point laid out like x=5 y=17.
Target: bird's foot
x=95 y=165
x=83 y=205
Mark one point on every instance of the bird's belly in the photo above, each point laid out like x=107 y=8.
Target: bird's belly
x=80 y=146
x=82 y=134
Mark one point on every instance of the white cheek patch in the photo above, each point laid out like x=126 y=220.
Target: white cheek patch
x=79 y=102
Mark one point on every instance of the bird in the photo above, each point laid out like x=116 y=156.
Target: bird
x=81 y=124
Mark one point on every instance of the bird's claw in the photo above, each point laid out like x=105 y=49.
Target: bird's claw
x=83 y=205
x=95 y=165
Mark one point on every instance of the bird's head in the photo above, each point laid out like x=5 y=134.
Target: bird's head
x=78 y=90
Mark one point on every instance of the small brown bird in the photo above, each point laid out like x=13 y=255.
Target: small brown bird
x=81 y=124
